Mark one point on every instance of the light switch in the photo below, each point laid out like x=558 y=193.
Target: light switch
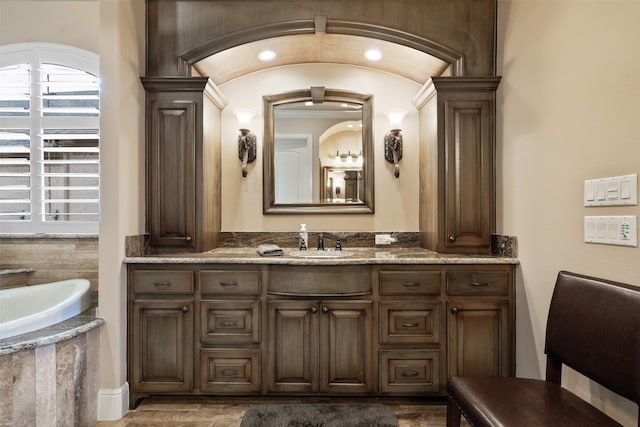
x=611 y=230
x=600 y=193
x=612 y=191
x=625 y=189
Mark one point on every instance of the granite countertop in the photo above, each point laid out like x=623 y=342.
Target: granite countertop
x=349 y=256
x=51 y=334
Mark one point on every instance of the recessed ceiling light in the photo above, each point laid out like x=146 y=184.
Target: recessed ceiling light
x=266 y=55
x=373 y=54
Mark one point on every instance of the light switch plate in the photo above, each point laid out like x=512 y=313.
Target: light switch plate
x=611 y=230
x=613 y=191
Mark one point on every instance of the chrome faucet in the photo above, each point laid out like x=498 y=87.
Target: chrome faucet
x=321 y=241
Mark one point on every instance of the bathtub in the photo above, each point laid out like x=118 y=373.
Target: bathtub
x=29 y=308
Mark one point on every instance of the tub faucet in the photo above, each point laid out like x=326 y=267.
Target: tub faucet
x=321 y=241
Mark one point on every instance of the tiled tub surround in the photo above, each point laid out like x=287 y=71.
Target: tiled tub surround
x=50 y=377
x=48 y=259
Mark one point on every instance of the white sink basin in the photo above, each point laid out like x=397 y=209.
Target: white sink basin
x=320 y=254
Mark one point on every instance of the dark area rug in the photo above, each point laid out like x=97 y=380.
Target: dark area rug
x=319 y=415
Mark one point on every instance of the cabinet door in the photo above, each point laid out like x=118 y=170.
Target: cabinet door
x=293 y=346
x=162 y=346
x=479 y=334
x=345 y=347
x=175 y=156
x=458 y=213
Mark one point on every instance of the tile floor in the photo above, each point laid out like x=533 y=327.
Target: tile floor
x=228 y=411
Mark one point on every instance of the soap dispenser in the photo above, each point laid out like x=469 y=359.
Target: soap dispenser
x=303 y=238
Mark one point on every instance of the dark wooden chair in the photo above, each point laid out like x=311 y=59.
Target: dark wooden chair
x=593 y=327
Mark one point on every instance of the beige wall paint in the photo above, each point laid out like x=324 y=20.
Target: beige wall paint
x=74 y=23
x=396 y=199
x=122 y=169
x=568 y=111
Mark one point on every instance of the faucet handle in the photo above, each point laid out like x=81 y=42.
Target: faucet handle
x=321 y=241
x=338 y=245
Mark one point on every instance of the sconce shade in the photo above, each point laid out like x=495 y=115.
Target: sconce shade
x=395 y=117
x=244 y=116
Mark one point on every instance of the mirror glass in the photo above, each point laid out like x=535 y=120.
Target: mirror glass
x=318 y=152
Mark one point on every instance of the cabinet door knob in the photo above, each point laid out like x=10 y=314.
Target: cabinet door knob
x=454 y=310
x=187 y=238
x=452 y=238
x=325 y=309
x=185 y=309
x=314 y=309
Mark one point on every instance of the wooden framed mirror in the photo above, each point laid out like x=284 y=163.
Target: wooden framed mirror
x=310 y=136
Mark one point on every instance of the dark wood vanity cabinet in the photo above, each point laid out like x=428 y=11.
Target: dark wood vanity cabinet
x=181 y=189
x=480 y=321
x=389 y=329
x=160 y=332
x=457 y=173
x=320 y=346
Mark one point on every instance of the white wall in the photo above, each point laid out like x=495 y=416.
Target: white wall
x=396 y=199
x=568 y=111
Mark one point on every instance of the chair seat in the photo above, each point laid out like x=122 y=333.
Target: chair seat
x=506 y=401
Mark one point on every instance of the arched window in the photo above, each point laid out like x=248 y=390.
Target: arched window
x=49 y=139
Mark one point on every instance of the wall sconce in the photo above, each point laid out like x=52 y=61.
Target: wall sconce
x=393 y=139
x=246 y=138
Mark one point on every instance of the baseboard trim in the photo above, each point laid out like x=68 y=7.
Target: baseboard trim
x=113 y=403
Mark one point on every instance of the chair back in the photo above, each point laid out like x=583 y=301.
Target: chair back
x=594 y=327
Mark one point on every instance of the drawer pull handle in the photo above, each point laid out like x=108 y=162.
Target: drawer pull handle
x=479 y=284
x=410 y=324
x=409 y=373
x=229 y=372
x=185 y=309
x=410 y=284
x=161 y=284
x=454 y=310
x=228 y=323
x=231 y=283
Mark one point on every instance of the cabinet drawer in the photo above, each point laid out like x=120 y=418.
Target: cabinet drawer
x=230 y=322
x=319 y=281
x=230 y=371
x=230 y=282
x=162 y=282
x=477 y=283
x=409 y=283
x=409 y=322
x=411 y=371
